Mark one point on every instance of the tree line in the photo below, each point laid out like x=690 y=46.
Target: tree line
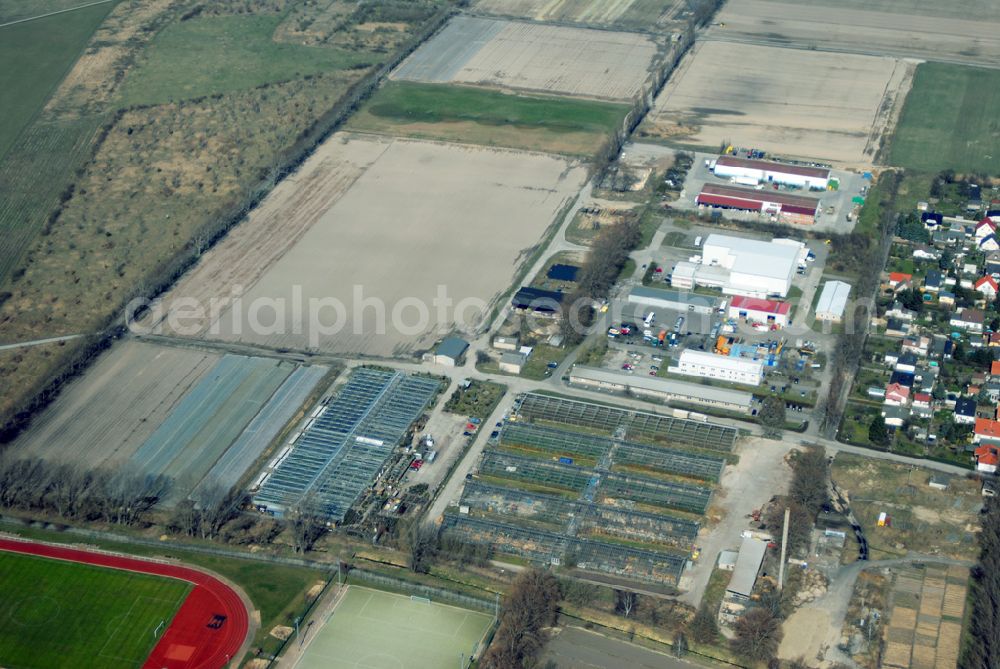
x=982 y=648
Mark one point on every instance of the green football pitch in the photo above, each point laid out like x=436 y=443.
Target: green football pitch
x=371 y=629
x=66 y=614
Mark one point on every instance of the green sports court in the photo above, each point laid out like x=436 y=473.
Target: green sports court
x=372 y=629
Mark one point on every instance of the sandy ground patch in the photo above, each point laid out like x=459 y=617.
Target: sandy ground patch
x=640 y=14
x=555 y=59
x=967 y=31
x=798 y=103
x=805 y=631
x=421 y=219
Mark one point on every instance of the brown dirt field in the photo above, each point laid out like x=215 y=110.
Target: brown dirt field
x=104 y=416
x=965 y=31
x=529 y=139
x=406 y=205
x=806 y=104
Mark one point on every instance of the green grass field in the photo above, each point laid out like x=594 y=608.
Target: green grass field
x=950 y=120
x=63 y=614
x=36 y=55
x=207 y=56
x=372 y=628
x=482 y=116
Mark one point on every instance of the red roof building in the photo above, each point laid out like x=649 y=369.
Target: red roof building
x=987 y=286
x=987 y=458
x=896 y=278
x=751 y=199
x=896 y=394
x=986 y=430
x=995 y=368
x=759 y=310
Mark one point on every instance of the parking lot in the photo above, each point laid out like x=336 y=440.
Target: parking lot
x=835 y=207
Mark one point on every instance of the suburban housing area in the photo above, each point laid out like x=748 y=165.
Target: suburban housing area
x=516 y=334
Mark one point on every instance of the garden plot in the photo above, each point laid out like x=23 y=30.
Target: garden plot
x=554 y=59
x=425 y=219
x=966 y=31
x=805 y=104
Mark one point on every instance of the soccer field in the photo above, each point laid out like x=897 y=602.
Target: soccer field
x=371 y=629
x=67 y=614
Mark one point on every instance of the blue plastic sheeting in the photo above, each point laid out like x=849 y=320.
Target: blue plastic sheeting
x=260 y=432
x=208 y=419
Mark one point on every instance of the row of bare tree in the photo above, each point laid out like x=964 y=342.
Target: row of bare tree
x=113 y=496
x=529 y=607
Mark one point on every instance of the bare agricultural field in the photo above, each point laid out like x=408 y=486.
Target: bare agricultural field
x=196 y=417
x=805 y=104
x=529 y=56
x=638 y=14
x=420 y=220
x=965 y=31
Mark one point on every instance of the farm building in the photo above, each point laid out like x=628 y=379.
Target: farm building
x=833 y=301
x=689 y=275
x=661 y=388
x=450 y=351
x=536 y=299
x=731 y=167
x=507 y=343
x=723 y=196
x=722 y=367
x=760 y=311
x=756 y=268
x=671 y=299
x=513 y=362
x=748 y=564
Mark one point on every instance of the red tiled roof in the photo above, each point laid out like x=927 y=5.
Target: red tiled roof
x=899 y=277
x=922 y=397
x=898 y=390
x=988 y=459
x=987 y=280
x=986 y=427
x=757 y=304
x=995 y=367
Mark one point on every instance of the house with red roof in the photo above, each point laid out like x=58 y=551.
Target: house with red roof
x=988 y=287
x=995 y=369
x=896 y=395
x=899 y=280
x=987 y=458
x=986 y=431
x=985 y=227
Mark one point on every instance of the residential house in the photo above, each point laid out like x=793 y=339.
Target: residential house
x=995 y=369
x=989 y=243
x=992 y=339
x=513 y=362
x=896 y=395
x=932 y=281
x=895 y=416
x=941 y=347
x=946 y=298
x=876 y=392
x=992 y=266
x=896 y=328
x=992 y=388
x=987 y=431
x=925 y=253
x=985 y=228
x=907 y=362
x=917 y=345
x=921 y=405
x=899 y=311
x=902 y=378
x=899 y=280
x=987 y=458
x=932 y=220
x=942 y=237
x=965 y=411
x=891 y=358
x=970 y=320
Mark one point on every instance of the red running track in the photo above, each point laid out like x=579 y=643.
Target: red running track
x=209 y=628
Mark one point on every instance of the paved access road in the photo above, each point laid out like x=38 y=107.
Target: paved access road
x=576 y=648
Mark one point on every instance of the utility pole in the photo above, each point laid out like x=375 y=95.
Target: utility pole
x=784 y=549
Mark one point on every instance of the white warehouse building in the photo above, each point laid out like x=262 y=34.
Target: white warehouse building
x=721 y=367
x=833 y=301
x=752 y=172
x=756 y=268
